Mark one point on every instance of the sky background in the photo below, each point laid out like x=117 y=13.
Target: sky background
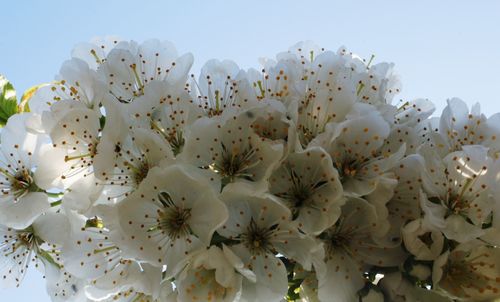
x=441 y=49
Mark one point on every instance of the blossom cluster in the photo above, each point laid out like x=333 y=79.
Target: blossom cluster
x=130 y=179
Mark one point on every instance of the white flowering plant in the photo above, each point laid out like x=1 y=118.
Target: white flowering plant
x=130 y=179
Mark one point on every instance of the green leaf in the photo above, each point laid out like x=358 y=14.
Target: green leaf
x=8 y=100
x=293 y=293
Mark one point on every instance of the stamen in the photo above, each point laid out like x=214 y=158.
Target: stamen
x=361 y=86
x=138 y=80
x=103 y=250
x=234 y=164
x=298 y=195
x=173 y=219
x=175 y=138
x=258 y=240
x=96 y=57
x=262 y=91
x=68 y=158
x=370 y=61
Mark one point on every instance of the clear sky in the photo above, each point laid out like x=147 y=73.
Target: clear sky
x=442 y=49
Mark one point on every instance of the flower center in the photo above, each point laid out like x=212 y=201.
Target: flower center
x=235 y=164
x=174 y=137
x=216 y=99
x=176 y=141
x=456 y=204
x=299 y=193
x=257 y=239
x=141 y=172
x=26 y=238
x=173 y=219
x=337 y=241
x=462 y=274
x=305 y=135
x=347 y=168
x=313 y=121
x=20 y=183
x=337 y=238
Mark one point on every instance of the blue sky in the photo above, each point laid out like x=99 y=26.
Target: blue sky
x=442 y=49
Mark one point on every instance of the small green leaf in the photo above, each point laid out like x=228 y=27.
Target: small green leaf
x=8 y=100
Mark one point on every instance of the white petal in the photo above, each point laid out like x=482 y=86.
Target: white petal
x=52 y=227
x=20 y=214
x=342 y=281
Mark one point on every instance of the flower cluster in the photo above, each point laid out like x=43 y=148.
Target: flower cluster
x=130 y=179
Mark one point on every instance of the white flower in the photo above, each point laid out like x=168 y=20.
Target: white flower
x=305 y=50
x=173 y=212
x=281 y=80
x=17 y=250
x=62 y=286
x=329 y=97
x=459 y=126
x=131 y=282
x=422 y=242
x=172 y=118
x=94 y=53
x=270 y=121
x=349 y=247
x=258 y=228
x=22 y=199
x=210 y=276
x=377 y=84
x=125 y=154
x=77 y=82
x=165 y=108
x=411 y=126
x=414 y=112
x=90 y=253
x=134 y=156
x=129 y=70
x=470 y=274
x=404 y=206
x=221 y=87
x=231 y=151
x=286 y=78
x=24 y=247
x=83 y=194
x=357 y=149
x=354 y=146
x=130 y=182
x=309 y=186
x=74 y=131
x=458 y=196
